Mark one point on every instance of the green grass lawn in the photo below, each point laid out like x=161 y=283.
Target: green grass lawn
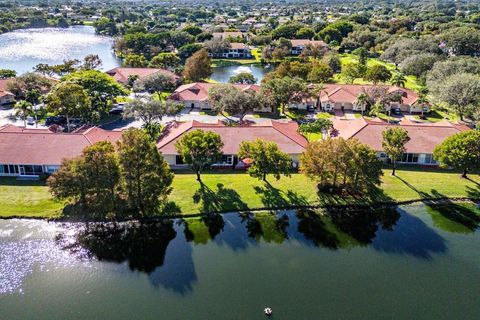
x=438 y=115
x=228 y=191
x=26 y=198
x=411 y=81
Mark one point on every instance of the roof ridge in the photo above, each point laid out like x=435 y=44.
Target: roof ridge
x=273 y=126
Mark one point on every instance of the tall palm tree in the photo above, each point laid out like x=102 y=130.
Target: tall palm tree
x=363 y=99
x=398 y=80
x=23 y=108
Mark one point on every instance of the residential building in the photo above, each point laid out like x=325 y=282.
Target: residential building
x=236 y=50
x=284 y=133
x=298 y=45
x=195 y=95
x=122 y=75
x=424 y=137
x=229 y=35
x=344 y=97
x=6 y=97
x=32 y=152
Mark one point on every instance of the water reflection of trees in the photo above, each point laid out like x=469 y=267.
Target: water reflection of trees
x=143 y=246
x=344 y=227
x=266 y=226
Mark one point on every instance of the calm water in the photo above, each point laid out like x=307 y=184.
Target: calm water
x=21 y=50
x=222 y=74
x=410 y=263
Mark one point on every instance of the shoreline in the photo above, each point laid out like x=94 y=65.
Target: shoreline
x=376 y=205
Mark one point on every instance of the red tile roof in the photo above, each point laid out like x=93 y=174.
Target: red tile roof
x=284 y=134
x=349 y=92
x=122 y=74
x=304 y=42
x=238 y=45
x=198 y=91
x=42 y=147
x=3 y=88
x=423 y=136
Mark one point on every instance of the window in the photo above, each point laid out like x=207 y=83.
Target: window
x=51 y=169
x=226 y=160
x=409 y=158
x=178 y=159
x=429 y=159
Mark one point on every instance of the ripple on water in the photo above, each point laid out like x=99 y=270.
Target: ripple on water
x=29 y=245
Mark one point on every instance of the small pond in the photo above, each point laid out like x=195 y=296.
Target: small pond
x=413 y=262
x=223 y=74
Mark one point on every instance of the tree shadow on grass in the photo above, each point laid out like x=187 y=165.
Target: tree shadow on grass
x=371 y=196
x=463 y=214
x=453 y=211
x=273 y=198
x=220 y=200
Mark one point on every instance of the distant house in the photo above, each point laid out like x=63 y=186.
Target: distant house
x=32 y=152
x=195 y=95
x=298 y=45
x=6 y=97
x=236 y=50
x=345 y=97
x=228 y=34
x=284 y=134
x=122 y=75
x=424 y=137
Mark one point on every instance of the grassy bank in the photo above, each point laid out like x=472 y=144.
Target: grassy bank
x=237 y=191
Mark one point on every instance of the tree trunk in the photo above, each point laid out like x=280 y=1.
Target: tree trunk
x=198 y=175
x=393 y=168
x=464 y=173
x=264 y=178
x=68 y=124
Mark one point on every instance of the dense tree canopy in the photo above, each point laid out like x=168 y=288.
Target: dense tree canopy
x=265 y=158
x=460 y=151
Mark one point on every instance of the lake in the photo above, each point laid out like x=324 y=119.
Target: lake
x=413 y=262
x=21 y=50
x=223 y=74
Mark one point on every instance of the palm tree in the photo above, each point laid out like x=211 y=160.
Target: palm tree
x=423 y=97
x=23 y=108
x=398 y=80
x=363 y=99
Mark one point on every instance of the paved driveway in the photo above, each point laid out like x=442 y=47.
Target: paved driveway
x=185 y=115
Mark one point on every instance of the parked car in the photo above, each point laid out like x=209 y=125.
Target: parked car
x=397 y=111
x=116 y=110
x=30 y=120
x=311 y=108
x=60 y=120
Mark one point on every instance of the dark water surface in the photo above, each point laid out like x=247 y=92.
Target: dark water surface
x=411 y=263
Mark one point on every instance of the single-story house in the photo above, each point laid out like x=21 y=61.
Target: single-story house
x=424 y=137
x=6 y=97
x=229 y=35
x=195 y=95
x=32 y=152
x=298 y=45
x=284 y=133
x=123 y=74
x=236 y=50
x=344 y=97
